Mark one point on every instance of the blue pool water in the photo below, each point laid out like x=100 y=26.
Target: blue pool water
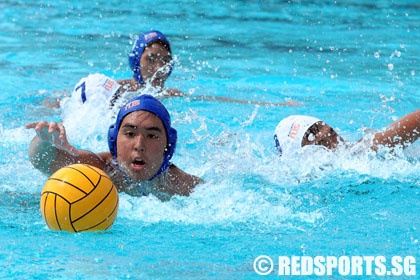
x=354 y=64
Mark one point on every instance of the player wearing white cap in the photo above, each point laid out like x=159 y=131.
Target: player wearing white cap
x=296 y=131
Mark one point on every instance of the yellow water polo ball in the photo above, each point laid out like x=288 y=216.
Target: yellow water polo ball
x=79 y=197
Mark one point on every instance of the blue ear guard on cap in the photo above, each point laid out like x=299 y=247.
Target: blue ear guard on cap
x=148 y=103
x=277 y=145
x=138 y=49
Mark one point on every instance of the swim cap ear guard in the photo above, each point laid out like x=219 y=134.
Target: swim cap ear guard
x=148 y=103
x=289 y=133
x=138 y=49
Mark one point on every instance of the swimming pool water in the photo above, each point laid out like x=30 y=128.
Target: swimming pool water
x=352 y=63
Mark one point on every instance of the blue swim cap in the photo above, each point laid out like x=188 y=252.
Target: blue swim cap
x=148 y=103
x=138 y=49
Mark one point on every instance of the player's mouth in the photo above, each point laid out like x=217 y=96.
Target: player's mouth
x=138 y=164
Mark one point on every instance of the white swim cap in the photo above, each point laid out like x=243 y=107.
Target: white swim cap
x=95 y=87
x=289 y=133
x=89 y=107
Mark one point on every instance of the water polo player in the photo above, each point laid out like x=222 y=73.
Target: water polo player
x=297 y=131
x=151 y=63
x=141 y=142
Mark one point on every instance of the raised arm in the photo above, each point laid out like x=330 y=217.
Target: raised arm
x=402 y=132
x=50 y=150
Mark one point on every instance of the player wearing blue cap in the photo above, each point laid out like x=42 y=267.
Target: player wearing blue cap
x=141 y=142
x=151 y=63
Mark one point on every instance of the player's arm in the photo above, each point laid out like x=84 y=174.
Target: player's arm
x=49 y=149
x=243 y=101
x=403 y=131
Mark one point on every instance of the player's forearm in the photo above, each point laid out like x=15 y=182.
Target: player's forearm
x=402 y=132
x=42 y=154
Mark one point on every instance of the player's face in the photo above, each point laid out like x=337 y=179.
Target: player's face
x=322 y=134
x=141 y=145
x=155 y=64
